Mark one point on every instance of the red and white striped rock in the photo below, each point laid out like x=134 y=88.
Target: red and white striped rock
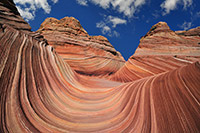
x=87 y=55
x=10 y=15
x=161 y=40
x=41 y=92
x=160 y=50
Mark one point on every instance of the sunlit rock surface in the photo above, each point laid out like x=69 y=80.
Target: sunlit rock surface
x=41 y=92
x=161 y=40
x=160 y=50
x=191 y=32
x=87 y=55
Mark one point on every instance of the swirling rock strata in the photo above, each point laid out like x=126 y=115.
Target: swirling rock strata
x=10 y=15
x=160 y=50
x=190 y=32
x=87 y=55
x=161 y=40
x=138 y=67
x=41 y=92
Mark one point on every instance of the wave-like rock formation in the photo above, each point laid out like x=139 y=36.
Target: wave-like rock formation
x=162 y=40
x=191 y=32
x=41 y=92
x=87 y=55
x=160 y=50
x=9 y=15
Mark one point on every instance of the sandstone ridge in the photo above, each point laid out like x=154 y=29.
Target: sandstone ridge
x=10 y=15
x=190 y=32
x=160 y=50
x=72 y=82
x=161 y=40
x=77 y=48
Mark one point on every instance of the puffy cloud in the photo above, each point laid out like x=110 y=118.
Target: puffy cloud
x=104 y=28
x=54 y=1
x=110 y=22
x=25 y=13
x=27 y=8
x=127 y=7
x=115 y=21
x=116 y=34
x=169 y=5
x=103 y=3
x=82 y=2
x=186 y=25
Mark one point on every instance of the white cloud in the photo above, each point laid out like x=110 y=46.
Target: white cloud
x=54 y=1
x=115 y=21
x=103 y=3
x=115 y=33
x=26 y=13
x=109 y=24
x=186 y=25
x=106 y=30
x=82 y=2
x=169 y=5
x=127 y=7
x=27 y=8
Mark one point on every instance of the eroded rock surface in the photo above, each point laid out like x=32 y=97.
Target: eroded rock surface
x=191 y=32
x=10 y=15
x=41 y=91
x=87 y=55
x=160 y=50
x=160 y=40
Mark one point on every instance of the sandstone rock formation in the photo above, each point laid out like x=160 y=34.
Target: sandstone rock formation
x=160 y=50
x=87 y=55
x=191 y=32
x=41 y=92
x=9 y=15
x=160 y=40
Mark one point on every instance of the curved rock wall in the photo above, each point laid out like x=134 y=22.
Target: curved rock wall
x=80 y=83
x=160 y=50
x=10 y=15
x=138 y=67
x=161 y=40
x=41 y=93
x=87 y=55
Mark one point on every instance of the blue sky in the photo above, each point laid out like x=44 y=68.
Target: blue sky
x=123 y=22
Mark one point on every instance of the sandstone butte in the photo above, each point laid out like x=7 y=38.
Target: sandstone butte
x=60 y=79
